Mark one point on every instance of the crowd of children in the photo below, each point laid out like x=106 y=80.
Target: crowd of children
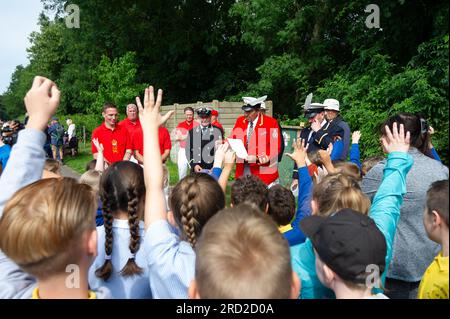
x=372 y=229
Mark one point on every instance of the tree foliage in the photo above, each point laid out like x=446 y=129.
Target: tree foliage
x=225 y=49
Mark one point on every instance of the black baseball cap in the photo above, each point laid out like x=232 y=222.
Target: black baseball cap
x=204 y=112
x=347 y=242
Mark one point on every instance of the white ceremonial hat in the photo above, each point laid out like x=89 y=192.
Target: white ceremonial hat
x=251 y=102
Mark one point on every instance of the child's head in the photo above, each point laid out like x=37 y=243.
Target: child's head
x=348 y=168
x=336 y=192
x=349 y=248
x=194 y=200
x=250 y=189
x=92 y=178
x=281 y=205
x=370 y=162
x=49 y=225
x=53 y=166
x=91 y=165
x=122 y=190
x=241 y=254
x=435 y=218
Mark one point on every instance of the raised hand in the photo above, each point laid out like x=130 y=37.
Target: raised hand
x=397 y=140
x=41 y=102
x=149 y=115
x=355 y=137
x=230 y=159
x=98 y=145
x=219 y=154
x=299 y=154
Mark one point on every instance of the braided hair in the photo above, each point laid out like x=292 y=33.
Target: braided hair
x=194 y=200
x=122 y=188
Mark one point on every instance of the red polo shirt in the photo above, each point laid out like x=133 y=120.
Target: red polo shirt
x=164 y=140
x=131 y=127
x=184 y=127
x=115 y=142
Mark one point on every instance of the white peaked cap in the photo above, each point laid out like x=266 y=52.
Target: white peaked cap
x=254 y=101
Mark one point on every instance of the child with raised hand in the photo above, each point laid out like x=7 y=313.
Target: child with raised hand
x=385 y=209
x=434 y=284
x=121 y=264
x=39 y=259
x=241 y=254
x=196 y=198
x=347 y=245
x=355 y=157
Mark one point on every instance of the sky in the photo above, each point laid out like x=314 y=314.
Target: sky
x=18 y=18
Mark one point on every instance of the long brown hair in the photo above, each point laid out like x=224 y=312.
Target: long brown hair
x=194 y=200
x=121 y=189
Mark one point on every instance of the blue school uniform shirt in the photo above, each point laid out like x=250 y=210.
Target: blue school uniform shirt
x=170 y=261
x=121 y=287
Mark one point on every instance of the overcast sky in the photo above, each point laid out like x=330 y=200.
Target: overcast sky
x=18 y=18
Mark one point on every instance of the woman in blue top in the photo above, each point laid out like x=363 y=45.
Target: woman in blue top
x=385 y=209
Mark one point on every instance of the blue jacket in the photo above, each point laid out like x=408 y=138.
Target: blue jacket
x=385 y=211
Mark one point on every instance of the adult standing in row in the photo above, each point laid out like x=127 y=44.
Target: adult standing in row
x=182 y=131
x=261 y=136
x=331 y=107
x=201 y=142
x=320 y=133
x=114 y=137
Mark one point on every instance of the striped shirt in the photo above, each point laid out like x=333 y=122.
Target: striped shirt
x=170 y=261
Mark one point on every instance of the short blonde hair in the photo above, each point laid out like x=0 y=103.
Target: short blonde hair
x=43 y=224
x=92 y=178
x=241 y=254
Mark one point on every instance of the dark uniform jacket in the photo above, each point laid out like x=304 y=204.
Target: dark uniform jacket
x=329 y=133
x=200 y=146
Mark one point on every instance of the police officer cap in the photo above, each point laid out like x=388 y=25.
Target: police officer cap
x=204 y=112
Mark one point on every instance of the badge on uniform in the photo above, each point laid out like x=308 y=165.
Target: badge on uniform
x=275 y=133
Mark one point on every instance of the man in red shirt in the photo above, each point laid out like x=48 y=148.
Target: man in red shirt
x=164 y=144
x=215 y=121
x=261 y=136
x=182 y=131
x=114 y=137
x=131 y=123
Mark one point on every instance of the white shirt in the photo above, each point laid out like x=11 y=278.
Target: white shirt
x=71 y=131
x=254 y=124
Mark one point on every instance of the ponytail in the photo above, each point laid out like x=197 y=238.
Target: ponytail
x=104 y=272
x=131 y=268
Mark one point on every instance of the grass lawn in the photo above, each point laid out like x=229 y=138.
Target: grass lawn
x=78 y=163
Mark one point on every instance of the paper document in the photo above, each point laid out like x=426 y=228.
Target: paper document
x=238 y=147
